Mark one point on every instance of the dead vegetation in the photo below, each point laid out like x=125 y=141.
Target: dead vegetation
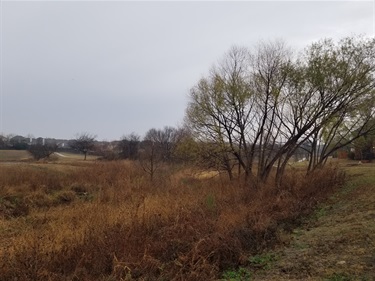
x=107 y=221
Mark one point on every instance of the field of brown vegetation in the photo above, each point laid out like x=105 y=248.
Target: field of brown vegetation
x=96 y=220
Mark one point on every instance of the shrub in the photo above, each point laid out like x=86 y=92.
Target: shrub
x=39 y=151
x=13 y=206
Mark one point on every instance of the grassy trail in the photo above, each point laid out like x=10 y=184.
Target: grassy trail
x=338 y=242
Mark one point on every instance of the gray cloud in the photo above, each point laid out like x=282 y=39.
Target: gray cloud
x=111 y=68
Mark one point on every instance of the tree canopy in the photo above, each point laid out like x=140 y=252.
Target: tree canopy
x=83 y=143
x=260 y=105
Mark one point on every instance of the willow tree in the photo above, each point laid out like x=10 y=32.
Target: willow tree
x=239 y=105
x=220 y=109
x=260 y=106
x=341 y=78
x=327 y=86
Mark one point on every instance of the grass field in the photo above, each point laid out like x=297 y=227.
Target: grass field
x=14 y=155
x=97 y=220
x=22 y=155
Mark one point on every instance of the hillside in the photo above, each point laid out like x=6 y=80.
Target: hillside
x=336 y=243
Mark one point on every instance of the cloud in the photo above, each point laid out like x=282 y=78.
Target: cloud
x=111 y=68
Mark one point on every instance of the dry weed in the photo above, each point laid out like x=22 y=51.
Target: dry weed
x=107 y=221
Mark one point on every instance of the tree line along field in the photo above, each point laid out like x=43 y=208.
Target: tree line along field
x=99 y=220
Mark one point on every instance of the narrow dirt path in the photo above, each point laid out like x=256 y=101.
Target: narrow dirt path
x=59 y=154
x=338 y=242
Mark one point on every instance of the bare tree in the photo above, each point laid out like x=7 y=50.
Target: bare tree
x=166 y=140
x=158 y=147
x=215 y=156
x=151 y=156
x=129 y=146
x=83 y=143
x=270 y=69
x=3 y=142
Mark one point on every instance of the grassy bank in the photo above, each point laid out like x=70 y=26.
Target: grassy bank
x=336 y=242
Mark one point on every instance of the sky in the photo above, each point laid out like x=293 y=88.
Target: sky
x=110 y=68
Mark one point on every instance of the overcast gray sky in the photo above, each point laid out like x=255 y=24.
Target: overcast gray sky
x=112 y=68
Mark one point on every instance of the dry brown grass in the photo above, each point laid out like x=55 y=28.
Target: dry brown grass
x=107 y=221
x=14 y=155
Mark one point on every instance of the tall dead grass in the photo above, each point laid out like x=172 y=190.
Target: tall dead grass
x=107 y=221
